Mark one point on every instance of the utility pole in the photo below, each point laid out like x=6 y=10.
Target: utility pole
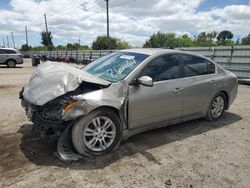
x=107 y=7
x=13 y=41
x=26 y=33
x=8 y=44
x=3 y=43
x=46 y=25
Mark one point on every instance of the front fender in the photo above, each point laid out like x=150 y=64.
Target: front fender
x=110 y=97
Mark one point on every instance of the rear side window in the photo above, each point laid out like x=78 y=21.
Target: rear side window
x=194 y=66
x=4 y=51
x=162 y=68
x=10 y=51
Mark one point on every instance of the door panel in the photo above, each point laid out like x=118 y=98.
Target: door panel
x=197 y=94
x=199 y=85
x=148 y=105
x=163 y=101
x=3 y=56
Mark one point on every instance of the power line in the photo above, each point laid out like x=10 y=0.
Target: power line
x=3 y=42
x=8 y=44
x=13 y=41
x=123 y=3
x=67 y=10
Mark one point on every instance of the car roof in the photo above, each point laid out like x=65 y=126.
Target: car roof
x=153 y=51
x=149 y=51
x=8 y=49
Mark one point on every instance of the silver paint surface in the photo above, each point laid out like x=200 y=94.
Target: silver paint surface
x=140 y=107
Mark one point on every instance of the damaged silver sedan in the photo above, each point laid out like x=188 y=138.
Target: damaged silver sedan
x=122 y=94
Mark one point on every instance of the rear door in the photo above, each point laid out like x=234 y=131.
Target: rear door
x=3 y=56
x=200 y=83
x=163 y=101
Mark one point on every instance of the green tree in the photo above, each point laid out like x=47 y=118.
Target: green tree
x=246 y=40
x=60 y=47
x=205 y=39
x=186 y=41
x=212 y=35
x=72 y=46
x=168 y=40
x=84 y=47
x=46 y=39
x=158 y=40
x=122 y=44
x=25 y=47
x=105 y=43
x=224 y=38
x=76 y=46
x=237 y=42
x=39 y=48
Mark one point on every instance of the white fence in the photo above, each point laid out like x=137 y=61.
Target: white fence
x=236 y=58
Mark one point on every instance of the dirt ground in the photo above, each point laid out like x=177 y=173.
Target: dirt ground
x=192 y=154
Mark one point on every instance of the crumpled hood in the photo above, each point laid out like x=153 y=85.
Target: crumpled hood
x=51 y=80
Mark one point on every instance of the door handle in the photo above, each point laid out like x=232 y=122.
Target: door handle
x=213 y=81
x=177 y=90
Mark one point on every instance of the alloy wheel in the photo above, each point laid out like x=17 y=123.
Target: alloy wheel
x=99 y=134
x=11 y=64
x=217 y=106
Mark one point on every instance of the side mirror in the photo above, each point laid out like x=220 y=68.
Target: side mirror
x=145 y=81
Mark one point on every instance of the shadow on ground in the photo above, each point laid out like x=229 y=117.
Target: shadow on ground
x=40 y=152
x=5 y=67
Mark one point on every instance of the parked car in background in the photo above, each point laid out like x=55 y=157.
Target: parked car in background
x=123 y=94
x=10 y=57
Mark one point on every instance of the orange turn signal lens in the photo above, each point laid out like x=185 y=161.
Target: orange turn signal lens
x=68 y=107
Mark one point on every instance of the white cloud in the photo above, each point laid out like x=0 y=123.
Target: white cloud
x=135 y=21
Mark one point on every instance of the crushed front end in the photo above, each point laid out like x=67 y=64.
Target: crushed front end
x=48 y=118
x=55 y=118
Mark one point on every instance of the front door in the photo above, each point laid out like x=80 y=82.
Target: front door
x=163 y=101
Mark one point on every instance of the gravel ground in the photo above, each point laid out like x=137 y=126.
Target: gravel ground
x=193 y=154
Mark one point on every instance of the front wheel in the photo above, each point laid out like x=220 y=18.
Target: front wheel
x=97 y=133
x=216 y=107
x=11 y=64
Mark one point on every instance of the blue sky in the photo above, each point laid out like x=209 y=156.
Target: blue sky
x=4 y=4
x=210 y=4
x=69 y=20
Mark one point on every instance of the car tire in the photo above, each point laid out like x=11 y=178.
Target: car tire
x=11 y=63
x=217 y=106
x=97 y=133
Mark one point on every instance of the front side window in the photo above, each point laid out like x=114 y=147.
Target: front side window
x=115 y=66
x=194 y=66
x=9 y=52
x=162 y=68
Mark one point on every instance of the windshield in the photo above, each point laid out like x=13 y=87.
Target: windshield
x=115 y=66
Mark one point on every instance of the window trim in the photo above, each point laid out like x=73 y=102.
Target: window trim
x=193 y=55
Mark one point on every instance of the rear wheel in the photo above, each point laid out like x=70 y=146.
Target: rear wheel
x=97 y=133
x=11 y=63
x=217 y=107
